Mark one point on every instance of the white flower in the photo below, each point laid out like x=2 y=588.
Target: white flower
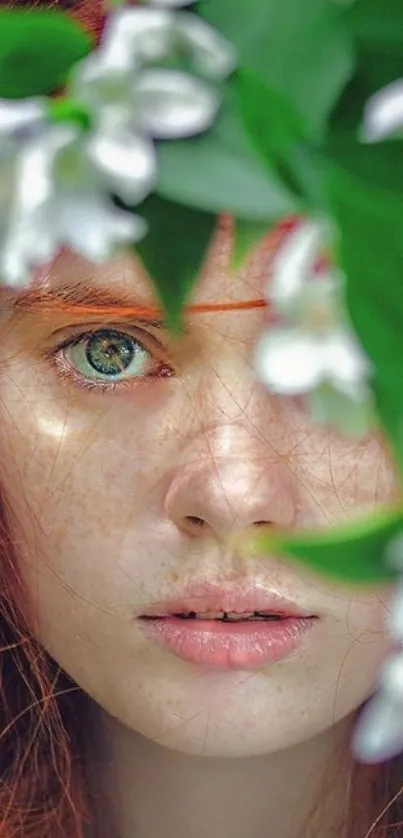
x=20 y=123
x=383 y=114
x=130 y=103
x=57 y=178
x=314 y=352
x=395 y=616
x=210 y=53
x=135 y=37
x=157 y=103
x=20 y=119
x=125 y=160
x=296 y=361
x=378 y=735
x=293 y=265
x=328 y=369
x=85 y=217
x=52 y=193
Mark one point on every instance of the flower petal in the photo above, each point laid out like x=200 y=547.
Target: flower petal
x=392 y=676
x=210 y=53
x=378 y=735
x=126 y=161
x=395 y=606
x=288 y=361
x=136 y=36
x=24 y=248
x=383 y=114
x=18 y=116
x=95 y=84
x=344 y=361
x=294 y=264
x=170 y=104
x=92 y=226
x=29 y=236
x=316 y=306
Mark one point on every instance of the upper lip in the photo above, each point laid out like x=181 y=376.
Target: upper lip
x=240 y=597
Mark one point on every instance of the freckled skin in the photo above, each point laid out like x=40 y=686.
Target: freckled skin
x=102 y=486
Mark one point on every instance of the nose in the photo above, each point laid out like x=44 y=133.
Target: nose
x=228 y=482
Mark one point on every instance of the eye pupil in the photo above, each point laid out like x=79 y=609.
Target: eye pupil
x=109 y=352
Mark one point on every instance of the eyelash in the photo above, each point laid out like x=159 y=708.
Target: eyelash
x=68 y=373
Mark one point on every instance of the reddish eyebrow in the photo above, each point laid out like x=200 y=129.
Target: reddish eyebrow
x=93 y=301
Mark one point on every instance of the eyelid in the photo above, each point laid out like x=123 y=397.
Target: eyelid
x=82 y=331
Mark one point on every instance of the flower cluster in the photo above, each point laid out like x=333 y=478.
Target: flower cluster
x=314 y=352
x=62 y=161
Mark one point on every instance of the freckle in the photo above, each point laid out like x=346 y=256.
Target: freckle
x=174 y=577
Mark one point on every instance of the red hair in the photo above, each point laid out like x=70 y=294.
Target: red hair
x=44 y=790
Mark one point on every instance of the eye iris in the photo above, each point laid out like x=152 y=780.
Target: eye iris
x=110 y=353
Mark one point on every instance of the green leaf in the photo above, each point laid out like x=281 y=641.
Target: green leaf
x=279 y=133
x=362 y=166
x=247 y=235
x=365 y=189
x=377 y=26
x=353 y=553
x=377 y=29
x=173 y=251
x=271 y=115
x=221 y=172
x=37 y=50
x=365 y=192
x=302 y=49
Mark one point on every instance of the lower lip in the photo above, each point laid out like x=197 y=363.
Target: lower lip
x=229 y=646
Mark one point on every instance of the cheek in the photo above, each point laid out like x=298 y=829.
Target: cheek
x=72 y=483
x=80 y=517
x=339 y=480
x=354 y=644
x=71 y=456
x=86 y=491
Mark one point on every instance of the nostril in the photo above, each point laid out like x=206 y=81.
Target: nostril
x=194 y=521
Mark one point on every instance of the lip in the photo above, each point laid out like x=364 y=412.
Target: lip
x=240 y=597
x=228 y=646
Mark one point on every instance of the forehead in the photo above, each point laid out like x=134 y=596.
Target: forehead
x=126 y=278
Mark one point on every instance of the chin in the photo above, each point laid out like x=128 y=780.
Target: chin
x=246 y=719
x=211 y=740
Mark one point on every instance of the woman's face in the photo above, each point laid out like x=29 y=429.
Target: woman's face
x=126 y=493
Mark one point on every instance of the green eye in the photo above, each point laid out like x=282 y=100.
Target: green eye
x=109 y=355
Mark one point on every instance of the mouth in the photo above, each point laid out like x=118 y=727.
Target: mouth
x=222 y=616
x=242 y=629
